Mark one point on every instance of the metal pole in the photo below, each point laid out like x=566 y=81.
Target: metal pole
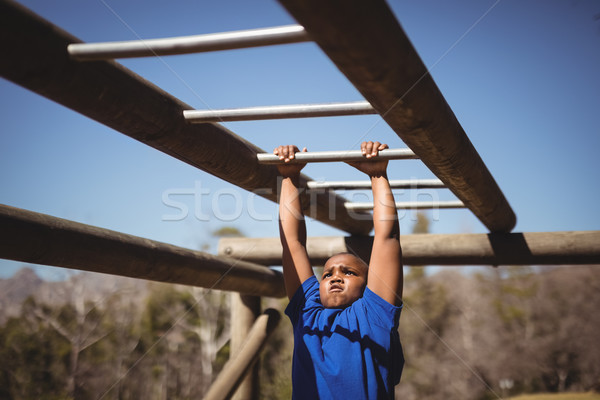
x=528 y=248
x=409 y=205
x=188 y=44
x=381 y=62
x=34 y=56
x=279 y=112
x=234 y=370
x=42 y=239
x=343 y=155
x=394 y=184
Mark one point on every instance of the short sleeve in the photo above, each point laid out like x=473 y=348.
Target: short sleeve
x=381 y=312
x=306 y=294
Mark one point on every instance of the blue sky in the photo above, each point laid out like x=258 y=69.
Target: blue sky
x=522 y=78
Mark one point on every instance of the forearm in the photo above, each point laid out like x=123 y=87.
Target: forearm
x=292 y=229
x=291 y=217
x=385 y=215
x=386 y=275
x=385 y=266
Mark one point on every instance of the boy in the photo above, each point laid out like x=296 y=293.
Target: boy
x=346 y=343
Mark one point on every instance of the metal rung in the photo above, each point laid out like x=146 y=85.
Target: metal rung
x=279 y=112
x=410 y=205
x=343 y=155
x=189 y=44
x=394 y=184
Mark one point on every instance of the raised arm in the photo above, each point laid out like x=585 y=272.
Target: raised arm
x=292 y=227
x=385 y=267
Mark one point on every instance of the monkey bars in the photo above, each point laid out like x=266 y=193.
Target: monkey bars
x=381 y=63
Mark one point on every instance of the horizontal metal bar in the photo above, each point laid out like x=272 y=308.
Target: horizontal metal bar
x=43 y=239
x=409 y=205
x=394 y=184
x=527 y=248
x=279 y=112
x=189 y=44
x=343 y=155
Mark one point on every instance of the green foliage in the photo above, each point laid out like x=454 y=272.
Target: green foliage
x=221 y=358
x=228 y=231
x=33 y=359
x=158 y=317
x=537 y=329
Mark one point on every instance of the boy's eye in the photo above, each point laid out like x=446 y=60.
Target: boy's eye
x=350 y=273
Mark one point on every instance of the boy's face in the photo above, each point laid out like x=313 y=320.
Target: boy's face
x=344 y=280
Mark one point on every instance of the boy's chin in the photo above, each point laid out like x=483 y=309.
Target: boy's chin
x=338 y=302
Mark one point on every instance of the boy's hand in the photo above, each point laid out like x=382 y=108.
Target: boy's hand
x=288 y=153
x=371 y=168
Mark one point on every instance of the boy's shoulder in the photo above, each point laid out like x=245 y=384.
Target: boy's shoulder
x=305 y=309
x=307 y=291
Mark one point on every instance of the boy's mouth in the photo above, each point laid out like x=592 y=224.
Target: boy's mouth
x=335 y=287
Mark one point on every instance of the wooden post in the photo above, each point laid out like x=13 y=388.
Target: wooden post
x=244 y=311
x=366 y=42
x=235 y=369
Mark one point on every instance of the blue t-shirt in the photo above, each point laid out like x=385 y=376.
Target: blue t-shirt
x=351 y=353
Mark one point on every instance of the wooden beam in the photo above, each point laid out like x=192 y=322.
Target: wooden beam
x=235 y=369
x=34 y=55
x=366 y=42
x=42 y=239
x=534 y=248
